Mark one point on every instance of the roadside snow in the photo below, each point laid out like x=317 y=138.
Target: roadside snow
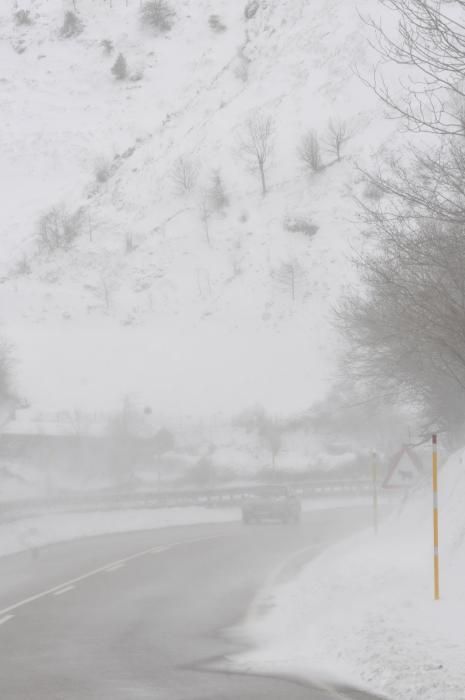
x=38 y=531
x=363 y=611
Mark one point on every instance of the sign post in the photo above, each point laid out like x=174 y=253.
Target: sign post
x=435 y=516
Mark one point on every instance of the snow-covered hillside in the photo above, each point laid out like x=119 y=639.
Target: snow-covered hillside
x=161 y=294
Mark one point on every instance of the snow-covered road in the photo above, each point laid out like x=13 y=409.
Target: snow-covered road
x=140 y=615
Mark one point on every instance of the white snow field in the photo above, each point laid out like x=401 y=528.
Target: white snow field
x=110 y=316
x=363 y=611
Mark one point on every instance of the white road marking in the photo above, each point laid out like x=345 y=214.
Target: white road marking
x=63 y=590
x=5 y=619
x=115 y=567
x=101 y=569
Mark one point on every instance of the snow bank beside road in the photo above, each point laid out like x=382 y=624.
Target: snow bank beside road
x=34 y=532
x=364 y=610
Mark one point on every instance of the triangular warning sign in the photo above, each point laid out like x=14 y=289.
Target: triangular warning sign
x=405 y=470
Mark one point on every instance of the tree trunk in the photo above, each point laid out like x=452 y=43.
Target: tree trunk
x=262 y=177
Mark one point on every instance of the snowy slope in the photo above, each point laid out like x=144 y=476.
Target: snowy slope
x=188 y=94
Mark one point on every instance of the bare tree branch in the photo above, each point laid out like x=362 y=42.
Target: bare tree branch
x=256 y=145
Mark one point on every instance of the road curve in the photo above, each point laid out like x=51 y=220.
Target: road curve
x=139 y=616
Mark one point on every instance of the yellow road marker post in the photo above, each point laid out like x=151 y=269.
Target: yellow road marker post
x=374 y=472
x=435 y=516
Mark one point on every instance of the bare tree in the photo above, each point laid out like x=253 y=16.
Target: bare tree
x=183 y=175
x=309 y=151
x=288 y=276
x=79 y=421
x=205 y=214
x=420 y=184
x=337 y=135
x=428 y=48
x=58 y=228
x=407 y=326
x=123 y=429
x=163 y=441
x=268 y=429
x=256 y=145
x=107 y=288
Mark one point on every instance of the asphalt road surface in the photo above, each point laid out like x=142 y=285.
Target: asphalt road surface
x=142 y=615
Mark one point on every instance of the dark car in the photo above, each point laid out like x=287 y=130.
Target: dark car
x=272 y=502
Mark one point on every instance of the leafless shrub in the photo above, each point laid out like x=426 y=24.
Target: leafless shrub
x=72 y=25
x=217 y=198
x=23 y=266
x=183 y=175
x=107 y=46
x=23 y=17
x=129 y=245
x=137 y=75
x=241 y=70
x=256 y=145
x=58 y=228
x=202 y=473
x=251 y=9
x=102 y=170
x=216 y=24
x=120 y=68
x=310 y=153
x=19 y=45
x=300 y=224
x=128 y=152
x=6 y=369
x=158 y=15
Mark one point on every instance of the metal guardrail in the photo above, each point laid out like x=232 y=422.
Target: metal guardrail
x=208 y=497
